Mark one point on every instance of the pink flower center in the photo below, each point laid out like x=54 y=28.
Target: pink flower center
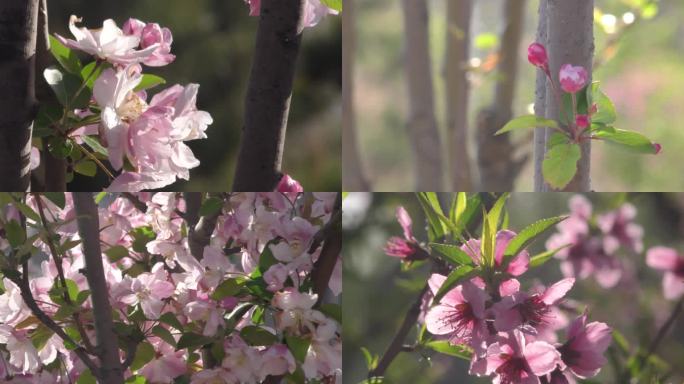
x=513 y=370
x=534 y=311
x=461 y=319
x=569 y=355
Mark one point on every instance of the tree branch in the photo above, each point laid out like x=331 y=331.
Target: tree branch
x=269 y=91
x=200 y=235
x=111 y=371
x=332 y=246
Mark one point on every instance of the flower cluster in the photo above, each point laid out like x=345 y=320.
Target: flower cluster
x=512 y=333
x=668 y=260
x=145 y=139
x=245 y=299
x=591 y=246
x=314 y=11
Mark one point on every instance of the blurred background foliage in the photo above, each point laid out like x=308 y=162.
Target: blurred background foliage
x=639 y=42
x=377 y=293
x=214 y=44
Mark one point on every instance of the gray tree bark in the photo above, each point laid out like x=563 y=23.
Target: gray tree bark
x=570 y=40
x=353 y=176
x=498 y=165
x=111 y=370
x=267 y=103
x=457 y=92
x=540 y=105
x=422 y=125
x=18 y=32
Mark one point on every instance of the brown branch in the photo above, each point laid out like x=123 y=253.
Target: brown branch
x=200 y=235
x=18 y=106
x=111 y=371
x=332 y=246
x=267 y=103
x=662 y=332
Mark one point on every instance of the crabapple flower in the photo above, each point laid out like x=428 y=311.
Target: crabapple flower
x=149 y=290
x=670 y=261
x=460 y=315
x=151 y=34
x=108 y=43
x=518 y=264
x=619 y=229
x=572 y=79
x=277 y=360
x=582 y=353
x=314 y=11
x=536 y=55
x=513 y=360
x=23 y=354
x=166 y=366
x=406 y=248
x=288 y=185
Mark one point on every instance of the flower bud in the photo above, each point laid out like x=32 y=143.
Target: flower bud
x=582 y=121
x=572 y=79
x=536 y=54
x=658 y=148
x=288 y=184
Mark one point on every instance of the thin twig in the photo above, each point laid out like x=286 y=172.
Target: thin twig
x=662 y=332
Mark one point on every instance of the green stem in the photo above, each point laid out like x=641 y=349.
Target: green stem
x=92 y=157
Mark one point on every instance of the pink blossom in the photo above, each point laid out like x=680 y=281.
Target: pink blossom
x=277 y=360
x=582 y=121
x=513 y=360
x=108 y=43
x=152 y=34
x=23 y=354
x=670 y=261
x=536 y=55
x=460 y=315
x=314 y=11
x=619 y=229
x=149 y=290
x=583 y=351
x=657 y=148
x=530 y=310
x=166 y=366
x=406 y=248
x=275 y=277
x=289 y=185
x=518 y=263
x=572 y=79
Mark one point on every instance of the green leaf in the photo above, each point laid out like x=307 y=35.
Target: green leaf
x=86 y=378
x=606 y=110
x=266 y=259
x=136 y=380
x=164 y=334
x=452 y=254
x=487 y=243
x=457 y=276
x=142 y=236
x=458 y=207
x=528 y=235
x=257 y=336
x=40 y=336
x=369 y=358
x=72 y=290
x=27 y=211
x=526 y=122
x=143 y=355
x=56 y=197
x=89 y=76
x=149 y=81
x=192 y=340
x=557 y=138
x=332 y=310
x=65 y=86
x=170 y=319
x=65 y=56
x=227 y=288
x=437 y=222
x=298 y=346
x=443 y=346
x=60 y=148
x=485 y=41
x=15 y=233
x=95 y=145
x=494 y=214
x=582 y=98
x=541 y=258
x=211 y=206
x=560 y=164
x=333 y=4
x=82 y=297
x=629 y=140
x=116 y=253
x=86 y=168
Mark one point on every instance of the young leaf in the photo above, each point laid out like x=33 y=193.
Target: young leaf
x=170 y=319
x=86 y=168
x=116 y=253
x=458 y=207
x=437 y=222
x=192 y=341
x=86 y=378
x=606 y=110
x=369 y=358
x=210 y=206
x=56 y=197
x=299 y=346
x=65 y=86
x=95 y=145
x=526 y=122
x=529 y=234
x=15 y=233
x=443 y=346
x=453 y=254
x=91 y=72
x=143 y=355
x=457 y=276
x=560 y=164
x=40 y=336
x=541 y=258
x=227 y=288
x=333 y=4
x=148 y=81
x=65 y=56
x=72 y=290
x=164 y=334
x=629 y=140
x=332 y=310
x=257 y=336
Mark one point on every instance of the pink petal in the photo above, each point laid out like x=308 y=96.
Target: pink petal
x=437 y=322
x=405 y=222
x=509 y=287
x=673 y=286
x=662 y=258
x=542 y=357
x=502 y=239
x=557 y=291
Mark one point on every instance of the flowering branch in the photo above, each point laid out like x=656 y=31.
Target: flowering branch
x=111 y=371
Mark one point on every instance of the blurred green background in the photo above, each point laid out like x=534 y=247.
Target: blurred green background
x=214 y=43
x=377 y=293
x=644 y=79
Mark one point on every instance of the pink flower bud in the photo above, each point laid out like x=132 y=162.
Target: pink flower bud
x=572 y=79
x=254 y=7
x=582 y=121
x=593 y=109
x=133 y=27
x=536 y=54
x=288 y=184
x=658 y=148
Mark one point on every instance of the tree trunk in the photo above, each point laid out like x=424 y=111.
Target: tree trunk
x=18 y=30
x=422 y=124
x=353 y=178
x=111 y=371
x=269 y=91
x=457 y=89
x=498 y=166
x=571 y=41
x=540 y=105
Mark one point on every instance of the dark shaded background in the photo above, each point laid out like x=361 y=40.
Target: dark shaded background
x=377 y=293
x=213 y=43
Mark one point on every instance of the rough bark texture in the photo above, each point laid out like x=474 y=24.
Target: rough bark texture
x=422 y=124
x=457 y=90
x=18 y=30
x=571 y=40
x=496 y=154
x=111 y=371
x=540 y=105
x=269 y=90
x=353 y=176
